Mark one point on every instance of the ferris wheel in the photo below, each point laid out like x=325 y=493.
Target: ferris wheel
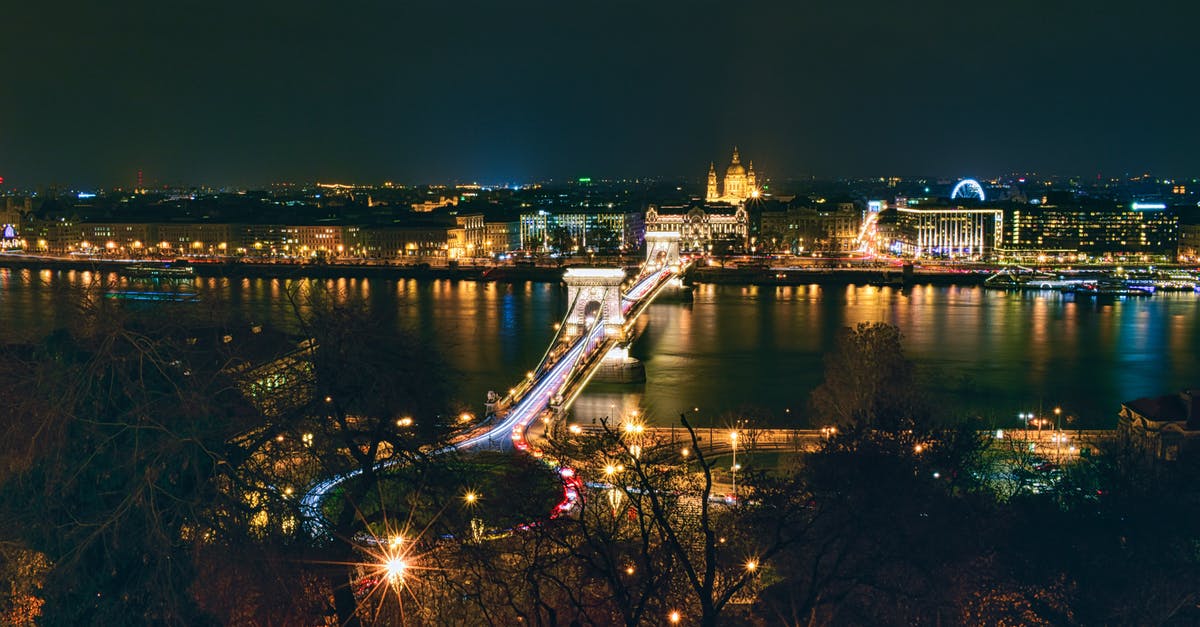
x=967 y=188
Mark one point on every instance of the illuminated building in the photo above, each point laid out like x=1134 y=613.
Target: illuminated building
x=739 y=184
x=1091 y=229
x=950 y=232
x=824 y=227
x=575 y=231
x=259 y=240
x=392 y=242
x=194 y=239
x=119 y=239
x=1189 y=242
x=473 y=234
x=501 y=236
x=313 y=241
x=705 y=229
x=430 y=205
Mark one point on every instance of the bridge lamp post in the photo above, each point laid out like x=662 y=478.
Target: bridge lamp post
x=733 y=437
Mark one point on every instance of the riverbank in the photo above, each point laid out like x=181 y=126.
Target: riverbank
x=518 y=274
x=891 y=277
x=307 y=270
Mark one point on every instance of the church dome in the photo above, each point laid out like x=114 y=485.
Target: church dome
x=735 y=167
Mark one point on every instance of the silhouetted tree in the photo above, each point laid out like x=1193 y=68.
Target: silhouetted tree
x=868 y=383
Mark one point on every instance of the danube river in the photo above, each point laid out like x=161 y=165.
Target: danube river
x=727 y=350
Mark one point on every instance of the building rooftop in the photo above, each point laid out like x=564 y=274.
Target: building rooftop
x=1181 y=407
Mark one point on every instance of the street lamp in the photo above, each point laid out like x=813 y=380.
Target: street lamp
x=394 y=568
x=733 y=437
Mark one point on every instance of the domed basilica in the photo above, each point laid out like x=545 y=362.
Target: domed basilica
x=740 y=183
x=722 y=222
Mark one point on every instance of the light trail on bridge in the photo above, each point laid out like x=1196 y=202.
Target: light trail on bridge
x=512 y=426
x=550 y=384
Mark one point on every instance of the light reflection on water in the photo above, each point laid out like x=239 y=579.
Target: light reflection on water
x=733 y=348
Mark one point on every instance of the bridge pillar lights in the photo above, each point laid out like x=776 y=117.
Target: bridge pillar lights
x=662 y=250
x=596 y=293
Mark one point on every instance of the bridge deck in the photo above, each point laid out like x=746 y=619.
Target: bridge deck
x=567 y=369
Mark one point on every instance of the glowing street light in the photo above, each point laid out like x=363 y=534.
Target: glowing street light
x=674 y=617
x=471 y=498
x=394 y=568
x=751 y=566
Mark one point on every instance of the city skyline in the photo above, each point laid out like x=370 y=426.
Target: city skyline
x=248 y=95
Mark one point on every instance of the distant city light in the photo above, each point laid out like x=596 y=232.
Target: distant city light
x=1148 y=206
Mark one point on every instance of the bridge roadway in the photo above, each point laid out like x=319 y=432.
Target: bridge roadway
x=564 y=370
x=717 y=441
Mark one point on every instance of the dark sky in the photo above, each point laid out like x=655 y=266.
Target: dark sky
x=254 y=91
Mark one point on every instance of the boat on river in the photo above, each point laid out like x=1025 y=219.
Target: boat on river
x=153 y=297
x=1019 y=278
x=1109 y=287
x=178 y=269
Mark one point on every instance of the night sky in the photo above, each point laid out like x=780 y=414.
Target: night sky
x=245 y=93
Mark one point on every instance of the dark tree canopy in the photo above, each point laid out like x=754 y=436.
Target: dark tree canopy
x=868 y=381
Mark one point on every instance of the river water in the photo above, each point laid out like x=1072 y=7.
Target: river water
x=730 y=350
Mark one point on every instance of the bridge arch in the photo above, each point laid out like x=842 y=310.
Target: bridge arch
x=662 y=249
x=594 y=294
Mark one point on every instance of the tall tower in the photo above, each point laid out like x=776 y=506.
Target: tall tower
x=712 y=195
x=751 y=180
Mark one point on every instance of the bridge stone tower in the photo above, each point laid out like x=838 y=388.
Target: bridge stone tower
x=662 y=249
x=596 y=293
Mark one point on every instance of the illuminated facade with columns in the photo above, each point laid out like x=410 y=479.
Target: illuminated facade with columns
x=952 y=231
